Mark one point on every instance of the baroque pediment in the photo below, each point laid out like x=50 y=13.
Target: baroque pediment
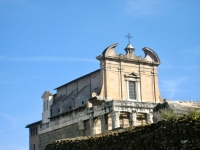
x=150 y=55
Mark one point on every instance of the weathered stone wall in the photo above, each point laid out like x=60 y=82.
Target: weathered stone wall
x=65 y=132
x=93 y=79
x=34 y=138
x=181 y=134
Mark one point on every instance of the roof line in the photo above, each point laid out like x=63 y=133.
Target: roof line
x=29 y=125
x=77 y=79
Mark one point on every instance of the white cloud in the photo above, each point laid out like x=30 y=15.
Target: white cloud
x=145 y=7
x=173 y=86
x=44 y=59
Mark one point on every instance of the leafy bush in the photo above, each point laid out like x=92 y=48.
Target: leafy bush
x=194 y=113
x=168 y=114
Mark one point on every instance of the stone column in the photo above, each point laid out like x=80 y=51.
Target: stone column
x=92 y=126
x=133 y=116
x=115 y=119
x=149 y=118
x=104 y=123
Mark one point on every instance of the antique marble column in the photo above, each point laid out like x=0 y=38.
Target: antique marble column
x=115 y=119
x=93 y=122
x=133 y=116
x=149 y=118
x=92 y=126
x=104 y=122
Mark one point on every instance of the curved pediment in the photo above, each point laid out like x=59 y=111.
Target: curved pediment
x=110 y=50
x=150 y=55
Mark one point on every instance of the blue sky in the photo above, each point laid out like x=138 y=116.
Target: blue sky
x=45 y=44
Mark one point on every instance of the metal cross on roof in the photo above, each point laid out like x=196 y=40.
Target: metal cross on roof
x=129 y=37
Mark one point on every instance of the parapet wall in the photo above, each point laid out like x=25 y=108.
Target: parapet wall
x=180 y=134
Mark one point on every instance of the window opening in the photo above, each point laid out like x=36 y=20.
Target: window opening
x=132 y=90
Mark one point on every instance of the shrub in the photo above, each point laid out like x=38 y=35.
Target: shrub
x=168 y=114
x=194 y=113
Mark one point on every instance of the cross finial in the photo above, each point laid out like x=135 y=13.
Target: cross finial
x=129 y=37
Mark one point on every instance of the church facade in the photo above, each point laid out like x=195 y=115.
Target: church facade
x=122 y=93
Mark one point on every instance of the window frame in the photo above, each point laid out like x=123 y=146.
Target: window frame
x=128 y=90
x=133 y=78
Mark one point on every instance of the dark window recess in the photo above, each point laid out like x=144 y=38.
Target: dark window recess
x=132 y=90
x=35 y=130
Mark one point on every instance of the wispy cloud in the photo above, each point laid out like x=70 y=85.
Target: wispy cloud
x=44 y=59
x=145 y=7
x=12 y=120
x=173 y=86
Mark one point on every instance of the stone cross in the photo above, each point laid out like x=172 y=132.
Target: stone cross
x=129 y=37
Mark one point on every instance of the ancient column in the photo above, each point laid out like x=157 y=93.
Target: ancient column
x=104 y=123
x=133 y=116
x=149 y=118
x=92 y=126
x=115 y=119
